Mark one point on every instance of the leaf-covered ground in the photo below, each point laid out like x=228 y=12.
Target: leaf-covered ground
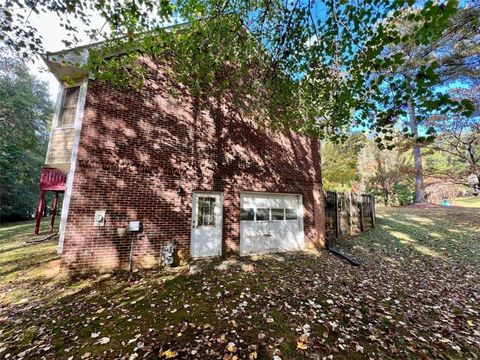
x=415 y=296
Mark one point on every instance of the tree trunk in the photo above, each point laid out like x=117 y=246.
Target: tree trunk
x=417 y=156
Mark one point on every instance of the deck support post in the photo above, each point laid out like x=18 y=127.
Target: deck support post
x=54 y=211
x=39 y=212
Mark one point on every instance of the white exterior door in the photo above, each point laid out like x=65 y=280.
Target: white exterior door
x=206 y=225
x=270 y=223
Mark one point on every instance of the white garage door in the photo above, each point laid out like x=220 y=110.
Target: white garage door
x=270 y=223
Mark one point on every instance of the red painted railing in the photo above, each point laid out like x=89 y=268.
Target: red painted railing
x=52 y=179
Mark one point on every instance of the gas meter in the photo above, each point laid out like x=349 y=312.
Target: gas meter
x=166 y=254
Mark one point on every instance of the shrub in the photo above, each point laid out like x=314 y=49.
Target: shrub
x=404 y=193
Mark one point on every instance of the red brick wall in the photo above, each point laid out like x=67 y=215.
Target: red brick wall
x=136 y=148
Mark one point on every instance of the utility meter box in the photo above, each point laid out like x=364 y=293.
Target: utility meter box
x=134 y=226
x=99 y=219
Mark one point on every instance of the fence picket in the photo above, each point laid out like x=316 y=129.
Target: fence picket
x=348 y=213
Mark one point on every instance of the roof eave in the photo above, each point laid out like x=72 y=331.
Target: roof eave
x=68 y=64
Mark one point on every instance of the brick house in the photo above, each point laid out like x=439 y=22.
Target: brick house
x=212 y=180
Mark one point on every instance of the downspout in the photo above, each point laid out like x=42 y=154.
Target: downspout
x=341 y=256
x=130 y=258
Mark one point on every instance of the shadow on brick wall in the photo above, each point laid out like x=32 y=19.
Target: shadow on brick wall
x=138 y=148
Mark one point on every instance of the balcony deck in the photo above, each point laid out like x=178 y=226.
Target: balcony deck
x=51 y=179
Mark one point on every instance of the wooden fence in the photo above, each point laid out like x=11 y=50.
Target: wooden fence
x=348 y=214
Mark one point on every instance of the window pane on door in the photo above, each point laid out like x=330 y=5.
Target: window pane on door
x=263 y=214
x=247 y=214
x=291 y=214
x=206 y=211
x=277 y=214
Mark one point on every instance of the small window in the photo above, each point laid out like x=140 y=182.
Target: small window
x=291 y=214
x=206 y=211
x=68 y=111
x=247 y=214
x=263 y=214
x=278 y=214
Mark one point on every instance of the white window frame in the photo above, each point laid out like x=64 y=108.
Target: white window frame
x=60 y=107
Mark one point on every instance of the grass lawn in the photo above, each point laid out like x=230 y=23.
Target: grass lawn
x=415 y=296
x=473 y=202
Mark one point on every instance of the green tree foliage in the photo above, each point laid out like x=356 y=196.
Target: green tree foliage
x=454 y=54
x=339 y=163
x=404 y=193
x=25 y=113
x=458 y=50
x=318 y=66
